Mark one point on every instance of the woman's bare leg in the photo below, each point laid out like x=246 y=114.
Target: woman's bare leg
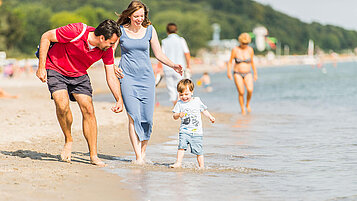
x=238 y=80
x=248 y=81
x=144 y=144
x=135 y=142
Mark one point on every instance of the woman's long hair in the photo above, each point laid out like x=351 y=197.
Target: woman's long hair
x=133 y=6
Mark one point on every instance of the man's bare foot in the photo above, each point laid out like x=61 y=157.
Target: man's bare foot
x=8 y=96
x=248 y=108
x=175 y=165
x=243 y=112
x=138 y=162
x=96 y=161
x=4 y=94
x=66 y=152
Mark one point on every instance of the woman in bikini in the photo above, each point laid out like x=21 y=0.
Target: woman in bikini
x=242 y=60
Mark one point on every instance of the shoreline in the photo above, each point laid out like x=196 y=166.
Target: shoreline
x=31 y=141
x=210 y=63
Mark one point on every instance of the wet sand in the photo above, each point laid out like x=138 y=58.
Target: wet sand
x=31 y=141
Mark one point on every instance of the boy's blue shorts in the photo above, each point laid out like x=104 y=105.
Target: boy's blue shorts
x=195 y=143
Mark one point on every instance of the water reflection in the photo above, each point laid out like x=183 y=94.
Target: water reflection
x=299 y=143
x=243 y=121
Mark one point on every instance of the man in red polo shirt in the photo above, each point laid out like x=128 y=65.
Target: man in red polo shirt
x=64 y=68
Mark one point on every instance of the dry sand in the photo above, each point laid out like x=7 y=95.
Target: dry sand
x=31 y=140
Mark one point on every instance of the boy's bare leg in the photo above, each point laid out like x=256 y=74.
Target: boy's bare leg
x=200 y=160
x=65 y=119
x=178 y=163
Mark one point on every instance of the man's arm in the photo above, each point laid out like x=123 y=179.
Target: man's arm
x=187 y=53
x=188 y=59
x=46 y=39
x=114 y=86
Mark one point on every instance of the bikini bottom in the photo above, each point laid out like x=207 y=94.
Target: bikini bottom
x=241 y=74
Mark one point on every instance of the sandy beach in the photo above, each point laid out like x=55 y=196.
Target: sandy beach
x=31 y=140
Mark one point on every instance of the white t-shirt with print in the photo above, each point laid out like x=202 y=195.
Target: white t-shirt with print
x=191 y=123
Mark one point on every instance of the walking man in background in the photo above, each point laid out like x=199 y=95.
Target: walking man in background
x=64 y=68
x=176 y=49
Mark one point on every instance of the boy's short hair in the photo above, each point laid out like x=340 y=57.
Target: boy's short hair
x=183 y=84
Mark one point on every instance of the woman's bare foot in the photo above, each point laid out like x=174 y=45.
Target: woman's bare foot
x=243 y=112
x=248 y=108
x=66 y=152
x=96 y=161
x=175 y=165
x=138 y=162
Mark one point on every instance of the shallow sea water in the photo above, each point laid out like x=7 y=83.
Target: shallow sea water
x=299 y=142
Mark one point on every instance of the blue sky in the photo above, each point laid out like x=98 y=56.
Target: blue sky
x=335 y=12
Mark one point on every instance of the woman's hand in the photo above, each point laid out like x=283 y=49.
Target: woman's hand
x=118 y=106
x=178 y=68
x=229 y=75
x=255 y=77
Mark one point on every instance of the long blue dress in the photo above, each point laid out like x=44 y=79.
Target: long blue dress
x=138 y=84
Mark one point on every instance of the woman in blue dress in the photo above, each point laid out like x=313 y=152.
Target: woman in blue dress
x=138 y=83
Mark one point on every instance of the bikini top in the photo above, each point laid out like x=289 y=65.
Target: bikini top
x=238 y=61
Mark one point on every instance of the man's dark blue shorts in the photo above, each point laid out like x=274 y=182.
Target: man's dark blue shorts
x=74 y=85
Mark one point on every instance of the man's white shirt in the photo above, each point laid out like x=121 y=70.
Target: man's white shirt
x=174 y=47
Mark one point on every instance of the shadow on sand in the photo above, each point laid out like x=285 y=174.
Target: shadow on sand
x=77 y=157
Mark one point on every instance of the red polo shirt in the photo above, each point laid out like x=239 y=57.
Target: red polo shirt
x=72 y=59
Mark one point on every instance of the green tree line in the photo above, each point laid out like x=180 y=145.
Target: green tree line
x=22 y=22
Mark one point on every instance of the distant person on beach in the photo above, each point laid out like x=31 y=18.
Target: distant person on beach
x=176 y=49
x=138 y=84
x=4 y=94
x=10 y=70
x=64 y=68
x=242 y=57
x=205 y=81
x=189 y=109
